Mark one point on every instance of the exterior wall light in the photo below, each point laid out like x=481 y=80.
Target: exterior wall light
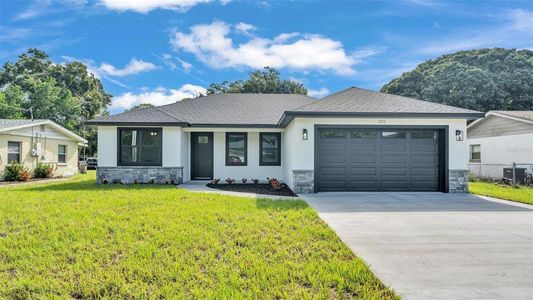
x=304 y=134
x=458 y=135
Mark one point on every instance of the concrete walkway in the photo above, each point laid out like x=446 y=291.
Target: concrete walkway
x=435 y=245
x=200 y=186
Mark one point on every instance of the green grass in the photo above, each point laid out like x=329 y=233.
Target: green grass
x=517 y=194
x=77 y=240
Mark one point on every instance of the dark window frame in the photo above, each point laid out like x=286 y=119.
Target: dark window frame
x=139 y=129
x=263 y=163
x=64 y=154
x=19 y=152
x=472 y=152
x=228 y=162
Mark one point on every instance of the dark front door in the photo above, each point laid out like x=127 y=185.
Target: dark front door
x=370 y=159
x=202 y=155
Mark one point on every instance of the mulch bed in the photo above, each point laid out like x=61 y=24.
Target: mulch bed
x=261 y=188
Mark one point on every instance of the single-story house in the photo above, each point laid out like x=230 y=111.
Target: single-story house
x=31 y=141
x=498 y=140
x=353 y=140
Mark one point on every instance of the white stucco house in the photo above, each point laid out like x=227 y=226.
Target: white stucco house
x=498 y=140
x=353 y=140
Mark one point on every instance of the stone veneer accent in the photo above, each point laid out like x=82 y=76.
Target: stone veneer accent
x=458 y=181
x=303 y=181
x=131 y=175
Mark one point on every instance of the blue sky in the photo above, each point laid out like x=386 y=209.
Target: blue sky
x=160 y=51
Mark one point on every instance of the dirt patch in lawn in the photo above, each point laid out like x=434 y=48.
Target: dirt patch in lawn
x=261 y=188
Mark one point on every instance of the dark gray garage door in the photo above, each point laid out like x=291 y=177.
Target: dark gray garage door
x=355 y=159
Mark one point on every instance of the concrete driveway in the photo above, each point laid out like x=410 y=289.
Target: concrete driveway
x=435 y=245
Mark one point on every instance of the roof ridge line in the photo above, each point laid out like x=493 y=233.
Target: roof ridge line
x=168 y=114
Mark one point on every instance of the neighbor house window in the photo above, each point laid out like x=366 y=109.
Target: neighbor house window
x=475 y=153
x=236 y=148
x=13 y=152
x=270 y=149
x=139 y=146
x=62 y=154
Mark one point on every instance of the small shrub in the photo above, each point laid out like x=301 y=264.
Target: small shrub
x=230 y=181
x=12 y=171
x=244 y=180
x=215 y=181
x=43 y=170
x=255 y=181
x=25 y=174
x=275 y=184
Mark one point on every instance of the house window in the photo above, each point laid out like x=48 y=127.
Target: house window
x=13 y=152
x=270 y=149
x=139 y=147
x=475 y=153
x=236 y=145
x=62 y=154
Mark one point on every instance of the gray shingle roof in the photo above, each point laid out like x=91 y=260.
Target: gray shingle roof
x=270 y=110
x=9 y=123
x=148 y=115
x=521 y=114
x=217 y=109
x=364 y=101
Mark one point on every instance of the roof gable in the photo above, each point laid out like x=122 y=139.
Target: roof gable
x=9 y=125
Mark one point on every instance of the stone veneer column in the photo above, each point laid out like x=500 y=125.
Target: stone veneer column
x=458 y=181
x=303 y=181
x=131 y=175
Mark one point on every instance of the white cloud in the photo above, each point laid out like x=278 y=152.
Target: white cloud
x=245 y=28
x=157 y=97
x=515 y=29
x=145 y=6
x=135 y=66
x=318 y=93
x=42 y=7
x=211 y=44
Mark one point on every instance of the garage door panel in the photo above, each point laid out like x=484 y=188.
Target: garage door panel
x=369 y=147
x=373 y=160
x=340 y=170
x=416 y=148
x=424 y=171
x=361 y=159
x=389 y=159
x=394 y=147
x=393 y=171
x=363 y=171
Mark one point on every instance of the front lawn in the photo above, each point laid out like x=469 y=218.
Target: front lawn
x=517 y=194
x=77 y=240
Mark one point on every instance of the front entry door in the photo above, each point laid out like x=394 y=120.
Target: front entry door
x=202 y=155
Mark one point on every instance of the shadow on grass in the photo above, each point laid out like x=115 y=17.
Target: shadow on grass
x=292 y=204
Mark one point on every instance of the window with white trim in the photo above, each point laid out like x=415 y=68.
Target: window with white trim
x=13 y=152
x=62 y=154
x=475 y=153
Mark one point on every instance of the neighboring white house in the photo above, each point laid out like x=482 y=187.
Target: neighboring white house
x=354 y=140
x=29 y=142
x=498 y=140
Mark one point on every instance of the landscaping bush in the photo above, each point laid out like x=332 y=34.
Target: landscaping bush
x=25 y=175
x=12 y=171
x=43 y=170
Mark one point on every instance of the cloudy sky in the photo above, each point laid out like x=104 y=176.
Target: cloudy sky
x=160 y=51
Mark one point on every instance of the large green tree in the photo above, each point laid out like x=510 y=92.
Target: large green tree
x=64 y=93
x=484 y=79
x=266 y=81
